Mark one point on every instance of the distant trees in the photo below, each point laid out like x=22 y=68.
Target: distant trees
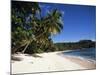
x=76 y=45
x=30 y=31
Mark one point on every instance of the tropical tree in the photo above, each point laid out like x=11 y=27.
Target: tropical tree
x=32 y=31
x=22 y=15
x=53 y=22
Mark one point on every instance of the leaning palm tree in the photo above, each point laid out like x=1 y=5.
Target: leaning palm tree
x=41 y=28
x=20 y=12
x=53 y=22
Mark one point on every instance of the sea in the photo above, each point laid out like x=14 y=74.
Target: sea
x=86 y=53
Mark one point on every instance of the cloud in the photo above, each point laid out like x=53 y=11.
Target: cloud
x=62 y=12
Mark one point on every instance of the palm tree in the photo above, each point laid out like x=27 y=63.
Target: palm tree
x=53 y=22
x=21 y=36
x=39 y=29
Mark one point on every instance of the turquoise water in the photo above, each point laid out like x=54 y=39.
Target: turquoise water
x=88 y=53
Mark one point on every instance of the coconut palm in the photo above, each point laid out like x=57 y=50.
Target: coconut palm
x=26 y=27
x=53 y=22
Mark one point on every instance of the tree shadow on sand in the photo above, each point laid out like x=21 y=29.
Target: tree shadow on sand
x=34 y=55
x=14 y=58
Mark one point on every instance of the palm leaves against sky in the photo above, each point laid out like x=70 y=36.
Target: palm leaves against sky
x=27 y=27
x=53 y=21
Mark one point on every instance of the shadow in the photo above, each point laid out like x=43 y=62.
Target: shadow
x=34 y=55
x=16 y=58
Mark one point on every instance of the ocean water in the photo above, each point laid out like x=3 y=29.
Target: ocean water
x=87 y=53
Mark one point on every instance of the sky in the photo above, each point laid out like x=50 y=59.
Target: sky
x=79 y=22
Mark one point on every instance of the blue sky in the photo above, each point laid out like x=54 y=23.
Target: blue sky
x=79 y=21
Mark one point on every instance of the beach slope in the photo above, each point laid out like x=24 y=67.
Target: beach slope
x=47 y=62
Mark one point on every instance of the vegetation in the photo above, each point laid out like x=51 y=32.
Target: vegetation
x=30 y=31
x=76 y=45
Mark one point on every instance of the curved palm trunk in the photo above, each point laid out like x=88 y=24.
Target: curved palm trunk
x=14 y=50
x=18 y=48
x=25 y=47
x=31 y=41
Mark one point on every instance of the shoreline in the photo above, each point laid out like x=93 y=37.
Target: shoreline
x=48 y=62
x=87 y=63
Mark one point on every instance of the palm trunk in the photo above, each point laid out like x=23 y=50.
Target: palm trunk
x=17 y=48
x=41 y=34
x=30 y=42
x=25 y=47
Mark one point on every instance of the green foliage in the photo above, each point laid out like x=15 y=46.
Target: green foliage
x=30 y=33
x=75 y=45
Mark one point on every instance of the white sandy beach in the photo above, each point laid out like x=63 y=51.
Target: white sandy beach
x=48 y=62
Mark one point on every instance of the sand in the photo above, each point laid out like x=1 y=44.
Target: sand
x=47 y=62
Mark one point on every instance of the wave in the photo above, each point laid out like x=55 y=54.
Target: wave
x=86 y=54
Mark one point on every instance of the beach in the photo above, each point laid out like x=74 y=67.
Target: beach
x=46 y=62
